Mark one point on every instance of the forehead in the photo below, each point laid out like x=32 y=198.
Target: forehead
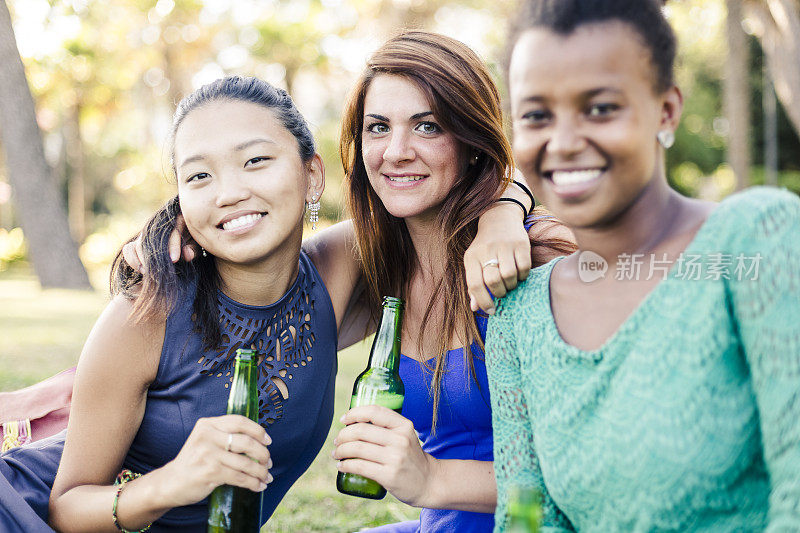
x=226 y=123
x=390 y=92
x=594 y=55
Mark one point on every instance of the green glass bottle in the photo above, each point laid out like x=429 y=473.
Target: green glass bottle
x=524 y=510
x=236 y=509
x=379 y=384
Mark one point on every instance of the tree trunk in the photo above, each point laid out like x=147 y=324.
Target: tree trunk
x=76 y=175
x=40 y=208
x=737 y=95
x=777 y=25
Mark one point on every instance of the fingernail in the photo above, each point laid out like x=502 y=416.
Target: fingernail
x=173 y=256
x=269 y=478
x=336 y=442
x=262 y=486
x=267 y=440
x=342 y=419
x=490 y=311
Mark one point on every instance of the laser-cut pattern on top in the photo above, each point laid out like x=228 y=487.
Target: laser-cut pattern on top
x=282 y=335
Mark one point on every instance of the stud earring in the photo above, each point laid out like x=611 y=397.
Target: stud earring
x=666 y=138
x=474 y=160
x=313 y=212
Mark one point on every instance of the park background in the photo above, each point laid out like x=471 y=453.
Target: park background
x=87 y=89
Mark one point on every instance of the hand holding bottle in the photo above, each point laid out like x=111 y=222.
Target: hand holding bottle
x=382 y=445
x=223 y=450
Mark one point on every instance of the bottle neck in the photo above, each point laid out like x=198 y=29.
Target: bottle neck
x=386 y=347
x=243 y=399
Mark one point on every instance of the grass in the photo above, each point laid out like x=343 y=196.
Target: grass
x=42 y=332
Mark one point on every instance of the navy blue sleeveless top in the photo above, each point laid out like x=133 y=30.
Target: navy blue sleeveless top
x=296 y=338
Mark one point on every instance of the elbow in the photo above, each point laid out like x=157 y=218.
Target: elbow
x=56 y=513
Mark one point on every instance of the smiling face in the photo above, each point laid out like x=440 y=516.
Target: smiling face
x=585 y=117
x=412 y=164
x=241 y=182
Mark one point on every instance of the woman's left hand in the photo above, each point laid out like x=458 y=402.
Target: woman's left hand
x=382 y=445
x=498 y=258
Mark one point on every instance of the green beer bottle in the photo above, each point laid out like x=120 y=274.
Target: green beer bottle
x=236 y=509
x=524 y=510
x=379 y=384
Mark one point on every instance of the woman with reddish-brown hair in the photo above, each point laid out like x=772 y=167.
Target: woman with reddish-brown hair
x=425 y=154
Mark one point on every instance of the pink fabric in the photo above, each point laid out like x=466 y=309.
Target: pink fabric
x=46 y=404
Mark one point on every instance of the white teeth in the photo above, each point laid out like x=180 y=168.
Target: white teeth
x=572 y=177
x=241 y=221
x=405 y=179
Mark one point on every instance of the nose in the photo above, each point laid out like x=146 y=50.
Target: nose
x=232 y=188
x=399 y=148
x=565 y=139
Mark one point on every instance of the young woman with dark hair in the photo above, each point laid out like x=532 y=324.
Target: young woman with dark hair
x=152 y=382
x=648 y=382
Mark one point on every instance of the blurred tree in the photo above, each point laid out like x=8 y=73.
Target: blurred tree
x=44 y=220
x=737 y=94
x=777 y=25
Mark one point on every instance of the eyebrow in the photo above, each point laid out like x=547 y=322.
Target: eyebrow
x=238 y=148
x=413 y=117
x=588 y=94
x=247 y=144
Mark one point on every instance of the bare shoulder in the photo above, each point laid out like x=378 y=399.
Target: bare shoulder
x=334 y=254
x=120 y=343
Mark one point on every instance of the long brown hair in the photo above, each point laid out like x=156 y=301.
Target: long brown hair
x=466 y=103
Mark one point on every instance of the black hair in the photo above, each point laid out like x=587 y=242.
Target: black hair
x=257 y=92
x=155 y=292
x=645 y=17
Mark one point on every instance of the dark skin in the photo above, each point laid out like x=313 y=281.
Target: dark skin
x=586 y=114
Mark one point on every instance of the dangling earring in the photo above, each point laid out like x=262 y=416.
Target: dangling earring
x=666 y=138
x=313 y=212
x=203 y=252
x=474 y=160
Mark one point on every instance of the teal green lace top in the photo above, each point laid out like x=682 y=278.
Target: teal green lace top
x=688 y=417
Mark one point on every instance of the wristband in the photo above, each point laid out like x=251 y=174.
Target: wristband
x=123 y=477
x=514 y=200
x=526 y=191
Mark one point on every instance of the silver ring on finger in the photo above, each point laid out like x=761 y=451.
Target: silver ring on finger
x=491 y=262
x=230 y=441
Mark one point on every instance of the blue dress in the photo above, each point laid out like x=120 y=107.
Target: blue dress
x=297 y=337
x=463 y=429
